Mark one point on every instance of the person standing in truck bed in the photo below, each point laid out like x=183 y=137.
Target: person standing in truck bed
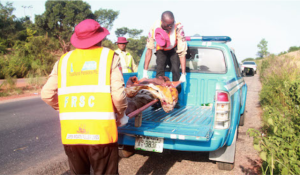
x=171 y=47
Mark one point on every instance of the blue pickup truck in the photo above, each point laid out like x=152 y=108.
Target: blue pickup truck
x=212 y=106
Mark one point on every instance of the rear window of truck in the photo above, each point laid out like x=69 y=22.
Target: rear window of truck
x=202 y=60
x=249 y=63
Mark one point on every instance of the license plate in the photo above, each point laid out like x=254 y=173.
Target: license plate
x=152 y=144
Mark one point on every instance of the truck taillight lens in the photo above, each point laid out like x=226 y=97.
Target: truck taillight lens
x=222 y=115
x=222 y=97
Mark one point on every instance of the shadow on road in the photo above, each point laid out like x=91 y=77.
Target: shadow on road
x=255 y=169
x=160 y=163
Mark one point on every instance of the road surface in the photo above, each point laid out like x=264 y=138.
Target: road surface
x=30 y=144
x=29 y=132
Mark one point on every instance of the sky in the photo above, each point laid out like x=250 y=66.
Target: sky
x=246 y=22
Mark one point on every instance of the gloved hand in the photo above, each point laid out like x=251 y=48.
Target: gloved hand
x=183 y=77
x=123 y=121
x=145 y=74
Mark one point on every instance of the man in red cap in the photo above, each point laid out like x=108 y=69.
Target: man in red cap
x=127 y=62
x=171 y=48
x=86 y=86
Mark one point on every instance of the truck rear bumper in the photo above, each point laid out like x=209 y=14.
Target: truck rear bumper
x=216 y=141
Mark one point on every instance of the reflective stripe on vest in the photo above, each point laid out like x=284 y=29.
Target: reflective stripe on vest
x=85 y=105
x=126 y=68
x=172 y=36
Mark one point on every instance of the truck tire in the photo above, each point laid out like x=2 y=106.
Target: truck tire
x=126 y=151
x=225 y=166
x=225 y=156
x=251 y=72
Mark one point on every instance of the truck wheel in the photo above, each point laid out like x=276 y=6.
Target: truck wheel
x=225 y=166
x=251 y=72
x=126 y=151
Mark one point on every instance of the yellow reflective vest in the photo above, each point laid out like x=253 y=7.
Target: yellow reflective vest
x=126 y=64
x=85 y=105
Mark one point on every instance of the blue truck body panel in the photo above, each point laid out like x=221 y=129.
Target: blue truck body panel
x=191 y=127
x=187 y=123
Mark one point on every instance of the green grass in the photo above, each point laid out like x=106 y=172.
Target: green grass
x=278 y=140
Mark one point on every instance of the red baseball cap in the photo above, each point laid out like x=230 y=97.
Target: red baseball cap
x=162 y=38
x=88 y=33
x=122 y=40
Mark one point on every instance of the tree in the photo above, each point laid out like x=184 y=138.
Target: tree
x=60 y=18
x=6 y=20
x=106 y=17
x=121 y=31
x=293 y=48
x=282 y=53
x=263 y=48
x=248 y=59
x=134 y=33
x=136 y=47
x=109 y=44
x=11 y=28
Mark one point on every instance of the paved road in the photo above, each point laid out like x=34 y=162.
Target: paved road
x=29 y=132
x=22 y=122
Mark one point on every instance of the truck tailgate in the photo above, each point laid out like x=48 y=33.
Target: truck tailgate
x=186 y=123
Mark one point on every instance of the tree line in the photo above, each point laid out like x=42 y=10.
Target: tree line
x=28 y=48
x=263 y=50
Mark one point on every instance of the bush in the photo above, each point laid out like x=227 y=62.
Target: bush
x=2 y=46
x=35 y=56
x=278 y=141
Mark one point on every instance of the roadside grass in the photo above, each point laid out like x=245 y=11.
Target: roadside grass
x=36 y=82
x=9 y=86
x=278 y=140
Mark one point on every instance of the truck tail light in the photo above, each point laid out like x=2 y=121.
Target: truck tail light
x=222 y=114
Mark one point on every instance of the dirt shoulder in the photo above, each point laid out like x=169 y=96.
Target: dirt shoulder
x=24 y=95
x=20 y=88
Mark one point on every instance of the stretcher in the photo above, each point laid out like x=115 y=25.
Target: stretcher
x=138 y=111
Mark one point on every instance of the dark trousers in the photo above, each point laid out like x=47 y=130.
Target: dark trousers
x=171 y=58
x=102 y=158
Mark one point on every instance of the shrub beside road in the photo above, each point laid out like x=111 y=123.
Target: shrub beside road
x=278 y=140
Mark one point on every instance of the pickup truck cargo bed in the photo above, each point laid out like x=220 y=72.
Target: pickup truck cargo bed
x=192 y=123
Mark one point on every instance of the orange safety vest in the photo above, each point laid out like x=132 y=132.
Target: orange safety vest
x=172 y=36
x=85 y=106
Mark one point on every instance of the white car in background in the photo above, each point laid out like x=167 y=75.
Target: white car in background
x=249 y=67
